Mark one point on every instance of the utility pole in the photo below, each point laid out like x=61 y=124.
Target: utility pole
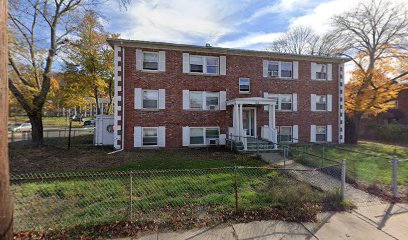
x=6 y=207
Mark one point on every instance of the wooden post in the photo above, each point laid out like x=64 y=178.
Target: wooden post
x=6 y=206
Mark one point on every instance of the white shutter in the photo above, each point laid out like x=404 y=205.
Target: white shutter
x=204 y=100
x=161 y=136
x=295 y=70
x=162 y=61
x=294 y=102
x=295 y=133
x=312 y=133
x=313 y=102
x=329 y=103
x=162 y=99
x=329 y=72
x=223 y=100
x=265 y=68
x=266 y=95
x=329 y=133
x=313 y=71
x=186 y=136
x=139 y=59
x=223 y=65
x=222 y=139
x=138 y=98
x=186 y=99
x=186 y=63
x=137 y=137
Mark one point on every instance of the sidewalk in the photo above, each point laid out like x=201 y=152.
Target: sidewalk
x=384 y=221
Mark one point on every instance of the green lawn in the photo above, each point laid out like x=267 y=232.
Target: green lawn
x=49 y=121
x=159 y=197
x=366 y=162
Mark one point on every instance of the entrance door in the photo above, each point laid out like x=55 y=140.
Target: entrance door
x=249 y=120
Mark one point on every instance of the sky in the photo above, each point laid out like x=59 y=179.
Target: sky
x=249 y=24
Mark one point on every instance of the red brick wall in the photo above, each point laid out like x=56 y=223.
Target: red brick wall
x=174 y=81
x=403 y=105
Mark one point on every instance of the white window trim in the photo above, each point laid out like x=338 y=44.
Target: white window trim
x=325 y=126
x=204 y=136
x=280 y=70
x=204 y=65
x=319 y=110
x=158 y=98
x=280 y=102
x=249 y=86
x=158 y=60
x=204 y=106
x=291 y=133
x=157 y=137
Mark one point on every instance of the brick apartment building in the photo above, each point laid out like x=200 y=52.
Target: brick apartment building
x=176 y=95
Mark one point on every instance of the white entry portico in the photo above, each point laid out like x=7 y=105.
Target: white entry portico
x=240 y=131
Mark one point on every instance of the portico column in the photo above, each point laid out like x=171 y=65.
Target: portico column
x=241 y=121
x=235 y=122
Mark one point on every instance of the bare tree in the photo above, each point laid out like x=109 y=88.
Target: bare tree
x=303 y=40
x=373 y=32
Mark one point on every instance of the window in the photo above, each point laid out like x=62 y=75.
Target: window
x=321 y=133
x=273 y=69
x=321 y=102
x=285 y=133
x=150 y=99
x=150 y=61
x=196 y=100
x=196 y=64
x=321 y=71
x=212 y=133
x=149 y=137
x=204 y=64
x=212 y=65
x=286 y=69
x=202 y=135
x=285 y=102
x=244 y=85
x=212 y=100
x=196 y=136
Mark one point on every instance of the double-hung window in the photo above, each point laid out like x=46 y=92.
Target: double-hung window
x=285 y=133
x=149 y=137
x=285 y=102
x=321 y=133
x=150 y=61
x=286 y=70
x=196 y=136
x=244 y=85
x=150 y=99
x=321 y=71
x=321 y=102
x=196 y=100
x=204 y=64
x=203 y=135
x=273 y=69
x=212 y=100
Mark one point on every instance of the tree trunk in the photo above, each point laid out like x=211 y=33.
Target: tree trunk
x=353 y=128
x=98 y=110
x=37 y=127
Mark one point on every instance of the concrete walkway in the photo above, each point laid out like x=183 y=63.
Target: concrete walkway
x=380 y=222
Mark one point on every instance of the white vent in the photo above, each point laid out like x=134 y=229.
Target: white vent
x=212 y=141
x=212 y=107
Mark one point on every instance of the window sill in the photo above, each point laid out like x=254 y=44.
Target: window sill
x=149 y=110
x=203 y=74
x=281 y=78
x=321 y=80
x=284 y=110
x=320 y=111
x=151 y=71
x=246 y=93
x=150 y=147
x=203 y=110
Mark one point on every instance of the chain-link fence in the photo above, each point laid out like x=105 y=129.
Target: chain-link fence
x=173 y=198
x=58 y=136
x=382 y=174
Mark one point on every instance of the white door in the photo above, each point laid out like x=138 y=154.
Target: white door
x=249 y=120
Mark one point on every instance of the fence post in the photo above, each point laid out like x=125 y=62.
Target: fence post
x=69 y=134
x=236 y=189
x=323 y=156
x=131 y=198
x=343 y=178
x=394 y=177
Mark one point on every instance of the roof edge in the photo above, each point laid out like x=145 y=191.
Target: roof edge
x=232 y=51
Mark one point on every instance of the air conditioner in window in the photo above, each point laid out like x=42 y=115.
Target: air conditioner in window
x=212 y=141
x=212 y=107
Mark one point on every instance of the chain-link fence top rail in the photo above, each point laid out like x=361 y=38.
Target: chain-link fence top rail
x=367 y=168
x=168 y=197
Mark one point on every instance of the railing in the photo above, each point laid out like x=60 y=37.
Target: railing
x=269 y=134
